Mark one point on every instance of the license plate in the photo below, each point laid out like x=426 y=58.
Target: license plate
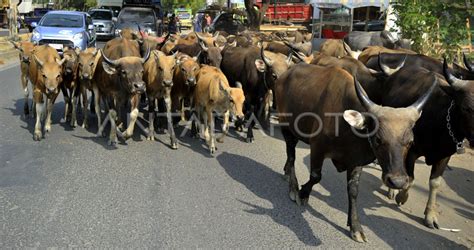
x=56 y=46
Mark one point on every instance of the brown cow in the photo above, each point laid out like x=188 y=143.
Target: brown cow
x=213 y=93
x=376 y=50
x=120 y=79
x=87 y=64
x=337 y=48
x=69 y=85
x=159 y=81
x=46 y=76
x=184 y=80
x=26 y=49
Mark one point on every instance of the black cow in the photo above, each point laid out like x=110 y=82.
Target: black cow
x=446 y=121
x=418 y=61
x=358 y=40
x=311 y=96
x=257 y=71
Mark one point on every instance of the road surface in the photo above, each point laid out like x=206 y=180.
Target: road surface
x=72 y=190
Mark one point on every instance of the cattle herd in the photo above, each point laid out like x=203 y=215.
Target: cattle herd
x=362 y=99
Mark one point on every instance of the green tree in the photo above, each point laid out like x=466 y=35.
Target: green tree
x=195 y=5
x=437 y=28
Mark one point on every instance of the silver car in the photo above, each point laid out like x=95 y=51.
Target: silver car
x=65 y=28
x=103 y=20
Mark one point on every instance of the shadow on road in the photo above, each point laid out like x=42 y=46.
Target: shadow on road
x=392 y=231
x=269 y=185
x=460 y=181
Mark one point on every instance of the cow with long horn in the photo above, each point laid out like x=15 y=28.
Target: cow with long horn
x=446 y=121
x=327 y=108
x=120 y=79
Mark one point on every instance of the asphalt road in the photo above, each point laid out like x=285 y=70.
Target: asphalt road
x=72 y=190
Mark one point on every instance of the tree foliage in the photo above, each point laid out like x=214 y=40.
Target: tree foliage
x=437 y=28
x=195 y=5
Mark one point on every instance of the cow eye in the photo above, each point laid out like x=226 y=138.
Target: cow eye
x=58 y=76
x=160 y=68
x=274 y=76
x=123 y=72
x=91 y=64
x=44 y=75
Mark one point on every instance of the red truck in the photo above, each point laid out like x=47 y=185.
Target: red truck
x=297 y=13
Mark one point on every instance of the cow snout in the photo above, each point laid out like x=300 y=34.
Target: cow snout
x=191 y=81
x=86 y=76
x=139 y=87
x=50 y=91
x=396 y=181
x=68 y=70
x=168 y=83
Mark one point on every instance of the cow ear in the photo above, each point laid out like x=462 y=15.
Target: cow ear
x=108 y=68
x=77 y=50
x=260 y=64
x=354 y=118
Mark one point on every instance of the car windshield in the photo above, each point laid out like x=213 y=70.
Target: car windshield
x=184 y=15
x=101 y=15
x=62 y=20
x=136 y=16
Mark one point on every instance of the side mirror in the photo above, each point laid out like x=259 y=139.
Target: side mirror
x=34 y=24
x=90 y=27
x=114 y=19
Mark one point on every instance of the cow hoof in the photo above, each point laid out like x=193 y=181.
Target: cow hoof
x=219 y=140
x=150 y=138
x=112 y=142
x=250 y=140
x=73 y=124
x=294 y=196
x=358 y=236
x=174 y=145
x=431 y=219
x=391 y=194
x=126 y=136
x=401 y=198
x=213 y=150
x=37 y=136
x=85 y=126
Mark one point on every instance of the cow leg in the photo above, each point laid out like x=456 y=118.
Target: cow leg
x=195 y=122
x=151 y=118
x=95 y=91
x=24 y=84
x=353 y=176
x=135 y=101
x=85 y=101
x=315 y=174
x=49 y=111
x=437 y=170
x=289 y=169
x=67 y=102
x=39 y=106
x=75 y=99
x=402 y=196
x=113 y=125
x=209 y=130
x=169 y=118
x=225 y=127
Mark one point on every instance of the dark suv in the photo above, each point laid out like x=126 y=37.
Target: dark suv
x=131 y=17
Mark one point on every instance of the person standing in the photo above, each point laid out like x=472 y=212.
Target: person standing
x=172 y=26
x=208 y=22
